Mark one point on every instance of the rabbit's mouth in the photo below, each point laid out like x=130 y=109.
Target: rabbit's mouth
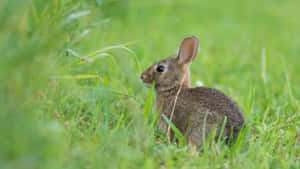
x=146 y=80
x=147 y=84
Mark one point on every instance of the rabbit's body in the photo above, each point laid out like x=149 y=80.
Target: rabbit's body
x=187 y=107
x=203 y=101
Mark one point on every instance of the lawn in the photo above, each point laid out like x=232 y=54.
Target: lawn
x=71 y=96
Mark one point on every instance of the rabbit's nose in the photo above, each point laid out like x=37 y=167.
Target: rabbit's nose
x=143 y=76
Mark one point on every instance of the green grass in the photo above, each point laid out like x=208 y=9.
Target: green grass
x=70 y=94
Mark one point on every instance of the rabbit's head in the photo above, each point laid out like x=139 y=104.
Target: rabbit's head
x=173 y=71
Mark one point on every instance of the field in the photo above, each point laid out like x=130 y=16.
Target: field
x=71 y=96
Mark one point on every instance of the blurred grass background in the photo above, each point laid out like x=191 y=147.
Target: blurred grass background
x=70 y=94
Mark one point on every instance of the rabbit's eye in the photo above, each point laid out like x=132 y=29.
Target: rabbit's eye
x=160 y=68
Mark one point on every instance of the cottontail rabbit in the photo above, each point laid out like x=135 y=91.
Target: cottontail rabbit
x=187 y=107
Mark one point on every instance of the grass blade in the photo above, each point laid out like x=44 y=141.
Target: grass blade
x=148 y=105
x=178 y=134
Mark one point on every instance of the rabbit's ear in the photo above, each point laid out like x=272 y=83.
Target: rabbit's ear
x=188 y=50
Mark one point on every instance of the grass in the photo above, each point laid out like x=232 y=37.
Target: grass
x=71 y=95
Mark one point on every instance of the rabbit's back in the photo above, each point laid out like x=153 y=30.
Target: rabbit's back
x=213 y=100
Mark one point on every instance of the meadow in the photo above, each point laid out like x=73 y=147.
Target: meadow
x=71 y=95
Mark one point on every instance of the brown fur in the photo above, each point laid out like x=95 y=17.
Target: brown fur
x=192 y=104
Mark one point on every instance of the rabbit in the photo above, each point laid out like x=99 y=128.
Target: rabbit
x=187 y=107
